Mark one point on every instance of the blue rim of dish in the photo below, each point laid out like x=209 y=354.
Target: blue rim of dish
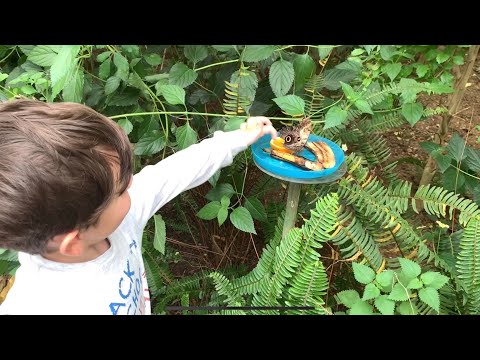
x=282 y=168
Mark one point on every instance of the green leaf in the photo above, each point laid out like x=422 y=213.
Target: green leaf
x=73 y=91
x=434 y=279
x=453 y=179
x=442 y=57
x=63 y=67
x=430 y=297
x=439 y=88
x=370 y=292
x=361 y=308
x=209 y=211
x=174 y=94
x=128 y=97
x=349 y=92
x=220 y=190
x=103 y=56
x=225 y=201
x=363 y=274
x=387 y=51
x=304 y=68
x=242 y=220
x=223 y=48
x=233 y=123
x=222 y=215
x=291 y=104
x=160 y=234
x=199 y=95
x=43 y=55
x=473 y=158
x=335 y=116
x=104 y=69
x=126 y=125
x=333 y=78
x=214 y=178
x=392 y=70
x=409 y=268
x=398 y=293
x=412 y=112
x=422 y=70
x=122 y=66
x=253 y=53
x=281 y=77
x=195 y=53
x=363 y=106
x=181 y=75
x=409 y=90
x=443 y=161
x=384 y=305
x=324 y=51
x=369 y=48
x=3 y=76
x=357 y=52
x=456 y=147
x=458 y=60
x=28 y=90
x=407 y=308
x=153 y=59
x=348 y=297
x=150 y=143
x=429 y=146
x=112 y=84
x=185 y=135
x=256 y=209
x=385 y=279
x=27 y=49
x=157 y=77
x=247 y=82
x=415 y=284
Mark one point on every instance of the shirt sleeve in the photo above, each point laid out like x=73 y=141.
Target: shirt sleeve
x=157 y=184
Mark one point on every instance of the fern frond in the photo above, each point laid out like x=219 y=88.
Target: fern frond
x=428 y=112
x=389 y=172
x=255 y=280
x=234 y=103
x=307 y=289
x=318 y=228
x=399 y=195
x=384 y=122
x=224 y=287
x=285 y=263
x=373 y=146
x=436 y=199
x=240 y=92
x=468 y=264
x=313 y=98
x=353 y=240
x=177 y=288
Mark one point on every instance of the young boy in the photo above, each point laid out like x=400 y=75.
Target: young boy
x=71 y=207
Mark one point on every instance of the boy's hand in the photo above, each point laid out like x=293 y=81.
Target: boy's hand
x=257 y=126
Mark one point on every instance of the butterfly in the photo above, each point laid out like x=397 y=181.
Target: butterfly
x=296 y=136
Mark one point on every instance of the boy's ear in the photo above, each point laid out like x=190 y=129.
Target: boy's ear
x=69 y=243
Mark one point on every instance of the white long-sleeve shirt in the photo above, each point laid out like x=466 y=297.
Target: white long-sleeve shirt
x=115 y=282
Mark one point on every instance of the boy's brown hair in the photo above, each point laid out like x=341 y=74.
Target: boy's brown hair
x=58 y=170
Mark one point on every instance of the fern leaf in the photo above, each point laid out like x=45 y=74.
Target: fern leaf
x=468 y=264
x=436 y=199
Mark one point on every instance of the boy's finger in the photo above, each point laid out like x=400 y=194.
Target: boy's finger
x=257 y=120
x=269 y=129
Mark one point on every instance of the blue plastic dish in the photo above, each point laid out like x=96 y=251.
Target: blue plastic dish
x=284 y=169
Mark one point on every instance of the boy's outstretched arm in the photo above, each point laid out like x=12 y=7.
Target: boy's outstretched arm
x=157 y=184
